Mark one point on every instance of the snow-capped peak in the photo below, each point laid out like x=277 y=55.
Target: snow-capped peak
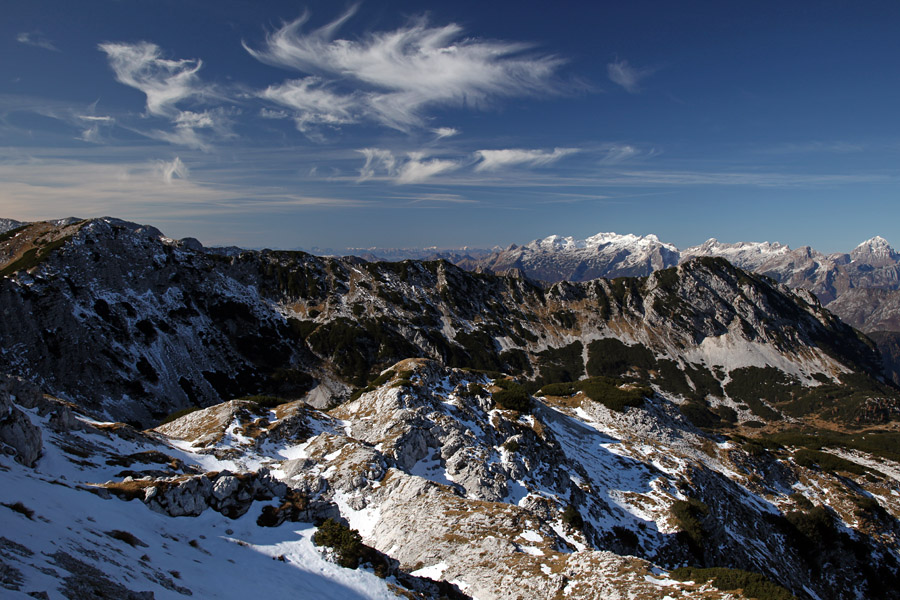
x=876 y=248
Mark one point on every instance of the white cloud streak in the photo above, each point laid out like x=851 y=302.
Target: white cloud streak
x=377 y=159
x=36 y=40
x=616 y=154
x=492 y=160
x=392 y=77
x=313 y=104
x=171 y=170
x=444 y=132
x=165 y=82
x=415 y=168
x=622 y=73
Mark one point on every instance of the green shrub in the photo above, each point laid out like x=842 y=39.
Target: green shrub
x=8 y=235
x=613 y=358
x=128 y=538
x=753 y=585
x=33 y=257
x=512 y=396
x=348 y=546
x=688 y=514
x=885 y=444
x=558 y=389
x=815 y=525
x=561 y=364
x=511 y=446
x=607 y=392
x=572 y=518
x=699 y=414
x=383 y=378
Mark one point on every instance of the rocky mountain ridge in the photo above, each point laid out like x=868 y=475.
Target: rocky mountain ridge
x=701 y=432
x=118 y=317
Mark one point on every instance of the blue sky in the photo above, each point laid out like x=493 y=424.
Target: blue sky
x=410 y=124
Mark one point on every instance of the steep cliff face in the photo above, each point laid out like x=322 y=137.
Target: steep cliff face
x=120 y=318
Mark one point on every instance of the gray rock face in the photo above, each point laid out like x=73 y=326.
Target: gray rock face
x=224 y=492
x=17 y=433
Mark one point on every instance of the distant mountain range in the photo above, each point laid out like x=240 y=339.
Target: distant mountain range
x=860 y=286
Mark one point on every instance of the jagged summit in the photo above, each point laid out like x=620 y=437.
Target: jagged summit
x=747 y=255
x=873 y=251
x=556 y=258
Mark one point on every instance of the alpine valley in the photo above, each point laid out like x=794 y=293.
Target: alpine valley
x=216 y=422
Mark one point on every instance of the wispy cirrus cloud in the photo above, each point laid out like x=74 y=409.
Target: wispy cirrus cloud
x=622 y=73
x=173 y=169
x=163 y=81
x=93 y=124
x=492 y=160
x=37 y=40
x=392 y=77
x=444 y=132
x=377 y=159
x=415 y=167
x=313 y=104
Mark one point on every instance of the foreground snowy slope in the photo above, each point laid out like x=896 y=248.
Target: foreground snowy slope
x=63 y=534
x=456 y=476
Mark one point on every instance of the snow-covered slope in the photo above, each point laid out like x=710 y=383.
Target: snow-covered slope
x=557 y=258
x=564 y=499
x=64 y=535
x=746 y=255
x=7 y=224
